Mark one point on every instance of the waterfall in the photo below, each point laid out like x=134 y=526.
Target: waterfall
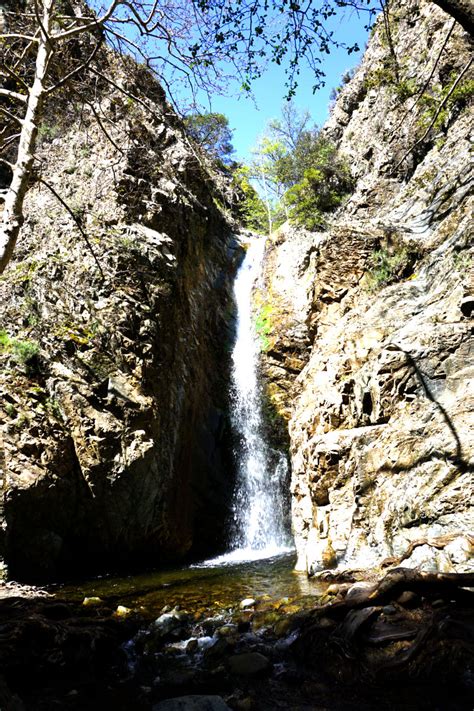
x=259 y=515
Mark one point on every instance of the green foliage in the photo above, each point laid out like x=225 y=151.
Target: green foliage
x=389 y=267
x=4 y=339
x=406 y=88
x=10 y=410
x=460 y=96
x=462 y=261
x=323 y=187
x=251 y=209
x=302 y=169
x=263 y=325
x=48 y=132
x=24 y=352
x=212 y=132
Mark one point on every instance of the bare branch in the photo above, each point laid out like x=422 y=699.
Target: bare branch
x=427 y=82
x=28 y=38
x=78 y=69
x=77 y=223
x=13 y=95
x=124 y=91
x=7 y=162
x=9 y=140
x=15 y=76
x=11 y=116
x=100 y=22
x=437 y=113
x=103 y=129
x=47 y=9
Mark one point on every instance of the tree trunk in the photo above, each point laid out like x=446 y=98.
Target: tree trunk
x=12 y=218
x=461 y=10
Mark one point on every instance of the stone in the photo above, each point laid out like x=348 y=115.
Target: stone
x=248 y=664
x=92 y=601
x=226 y=630
x=166 y=623
x=248 y=602
x=192 y=703
x=408 y=599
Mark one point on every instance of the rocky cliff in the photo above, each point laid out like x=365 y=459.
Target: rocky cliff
x=113 y=383
x=376 y=314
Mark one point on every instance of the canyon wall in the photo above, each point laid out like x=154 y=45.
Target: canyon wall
x=370 y=350
x=113 y=384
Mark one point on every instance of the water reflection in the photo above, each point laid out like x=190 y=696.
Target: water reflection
x=204 y=590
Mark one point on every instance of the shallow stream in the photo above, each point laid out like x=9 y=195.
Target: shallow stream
x=205 y=590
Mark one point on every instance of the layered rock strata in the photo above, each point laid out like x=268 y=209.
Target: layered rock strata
x=113 y=381
x=382 y=414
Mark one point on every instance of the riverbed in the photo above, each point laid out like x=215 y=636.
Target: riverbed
x=204 y=589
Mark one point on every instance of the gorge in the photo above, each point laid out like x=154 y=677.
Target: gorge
x=183 y=403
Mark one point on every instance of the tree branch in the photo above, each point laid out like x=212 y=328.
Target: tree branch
x=426 y=84
x=437 y=113
x=100 y=22
x=78 y=69
x=11 y=116
x=13 y=95
x=77 y=223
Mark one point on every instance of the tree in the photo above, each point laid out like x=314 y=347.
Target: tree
x=325 y=182
x=251 y=209
x=300 y=170
x=212 y=132
x=48 y=45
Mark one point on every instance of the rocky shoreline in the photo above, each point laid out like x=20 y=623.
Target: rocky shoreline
x=404 y=642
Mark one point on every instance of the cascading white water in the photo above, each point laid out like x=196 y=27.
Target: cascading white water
x=259 y=516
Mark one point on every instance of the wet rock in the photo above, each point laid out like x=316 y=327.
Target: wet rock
x=248 y=602
x=249 y=664
x=192 y=703
x=192 y=646
x=283 y=627
x=218 y=649
x=356 y=589
x=408 y=599
x=92 y=601
x=227 y=631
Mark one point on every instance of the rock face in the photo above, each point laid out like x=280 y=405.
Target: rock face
x=113 y=383
x=382 y=413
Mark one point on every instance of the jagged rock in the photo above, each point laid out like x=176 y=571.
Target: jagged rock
x=122 y=457
x=248 y=664
x=382 y=410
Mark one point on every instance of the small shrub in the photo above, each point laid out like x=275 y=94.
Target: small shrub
x=323 y=188
x=10 y=410
x=387 y=268
x=406 y=88
x=4 y=339
x=431 y=102
x=48 y=132
x=24 y=352
x=263 y=326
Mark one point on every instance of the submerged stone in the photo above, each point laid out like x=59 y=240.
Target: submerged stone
x=248 y=664
x=192 y=703
x=248 y=602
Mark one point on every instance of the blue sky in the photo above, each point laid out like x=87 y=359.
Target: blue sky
x=248 y=120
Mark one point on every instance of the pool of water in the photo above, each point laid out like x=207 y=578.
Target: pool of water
x=205 y=589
